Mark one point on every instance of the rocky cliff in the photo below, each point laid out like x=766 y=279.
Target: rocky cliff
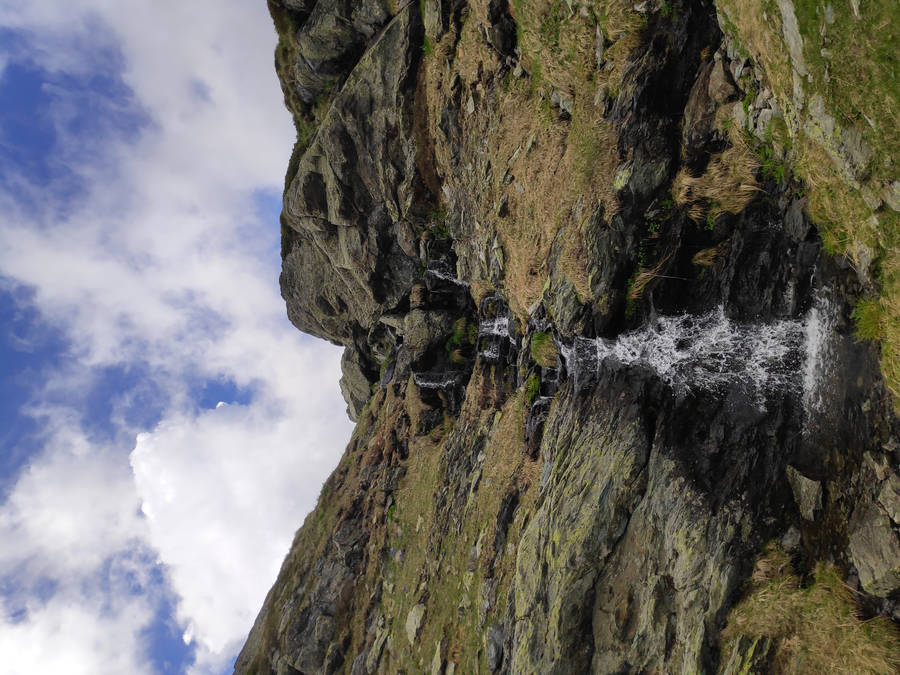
x=604 y=350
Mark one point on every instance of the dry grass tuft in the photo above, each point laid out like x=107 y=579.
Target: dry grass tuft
x=815 y=629
x=644 y=276
x=727 y=185
x=710 y=256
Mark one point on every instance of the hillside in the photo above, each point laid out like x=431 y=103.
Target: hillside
x=619 y=290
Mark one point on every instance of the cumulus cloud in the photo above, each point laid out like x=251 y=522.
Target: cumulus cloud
x=161 y=265
x=224 y=536
x=78 y=636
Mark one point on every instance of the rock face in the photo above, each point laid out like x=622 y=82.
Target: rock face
x=596 y=354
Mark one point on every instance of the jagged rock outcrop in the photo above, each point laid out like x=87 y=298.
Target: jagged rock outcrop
x=596 y=352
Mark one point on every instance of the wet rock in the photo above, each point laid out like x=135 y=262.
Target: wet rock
x=807 y=493
x=875 y=549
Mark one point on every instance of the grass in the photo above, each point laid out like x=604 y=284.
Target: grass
x=567 y=173
x=464 y=333
x=815 y=629
x=543 y=350
x=728 y=184
x=710 y=256
x=642 y=278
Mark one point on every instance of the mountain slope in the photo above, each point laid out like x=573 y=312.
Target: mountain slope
x=597 y=353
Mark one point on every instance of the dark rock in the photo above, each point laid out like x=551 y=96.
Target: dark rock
x=720 y=87
x=332 y=40
x=875 y=549
x=889 y=497
x=494 y=640
x=352 y=194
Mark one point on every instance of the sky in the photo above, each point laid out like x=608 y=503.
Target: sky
x=163 y=429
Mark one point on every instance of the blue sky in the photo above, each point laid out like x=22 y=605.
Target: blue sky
x=164 y=429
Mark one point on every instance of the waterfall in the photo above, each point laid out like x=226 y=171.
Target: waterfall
x=709 y=351
x=819 y=355
x=498 y=327
x=491 y=333
x=437 y=380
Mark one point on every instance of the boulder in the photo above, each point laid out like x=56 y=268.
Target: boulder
x=875 y=549
x=807 y=493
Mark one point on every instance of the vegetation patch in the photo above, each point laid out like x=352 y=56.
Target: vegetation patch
x=816 y=629
x=728 y=184
x=532 y=388
x=543 y=350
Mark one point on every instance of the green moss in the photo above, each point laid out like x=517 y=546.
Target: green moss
x=551 y=24
x=710 y=223
x=532 y=388
x=462 y=335
x=666 y=9
x=543 y=350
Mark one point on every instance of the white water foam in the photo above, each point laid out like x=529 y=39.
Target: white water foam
x=446 y=276
x=710 y=350
x=491 y=333
x=819 y=357
x=498 y=326
x=436 y=380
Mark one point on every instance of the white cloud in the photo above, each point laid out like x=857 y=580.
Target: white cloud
x=163 y=263
x=78 y=636
x=69 y=511
x=223 y=493
x=71 y=555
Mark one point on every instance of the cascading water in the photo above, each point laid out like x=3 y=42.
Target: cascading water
x=491 y=332
x=709 y=351
x=439 y=271
x=819 y=334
